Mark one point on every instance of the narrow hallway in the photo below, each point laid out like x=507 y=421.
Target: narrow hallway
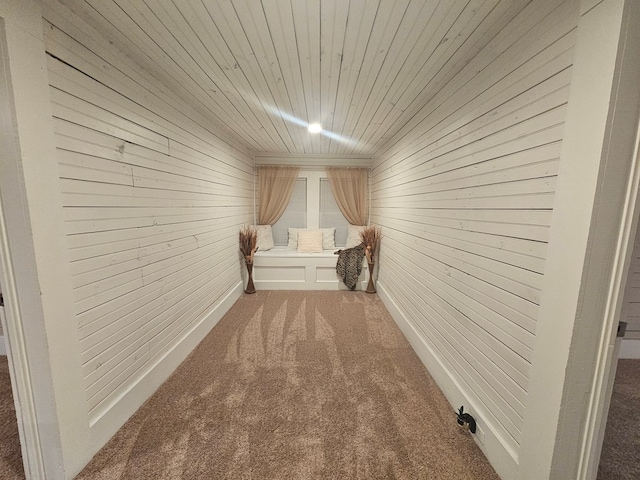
x=296 y=385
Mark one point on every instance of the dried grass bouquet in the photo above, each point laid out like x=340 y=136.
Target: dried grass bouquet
x=371 y=236
x=248 y=242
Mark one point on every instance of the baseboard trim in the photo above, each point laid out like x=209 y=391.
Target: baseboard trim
x=105 y=426
x=3 y=346
x=503 y=459
x=288 y=285
x=629 y=348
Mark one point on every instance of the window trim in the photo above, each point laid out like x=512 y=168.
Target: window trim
x=313 y=177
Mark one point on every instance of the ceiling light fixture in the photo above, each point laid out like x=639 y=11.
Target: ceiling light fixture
x=315 y=128
x=297 y=121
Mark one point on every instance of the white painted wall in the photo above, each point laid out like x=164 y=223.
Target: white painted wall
x=152 y=202
x=464 y=196
x=629 y=349
x=147 y=202
x=42 y=332
x=1 y=326
x=631 y=306
x=469 y=254
x=593 y=227
x=3 y=347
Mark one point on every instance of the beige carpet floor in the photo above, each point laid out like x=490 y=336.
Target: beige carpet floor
x=296 y=385
x=308 y=385
x=10 y=455
x=620 y=459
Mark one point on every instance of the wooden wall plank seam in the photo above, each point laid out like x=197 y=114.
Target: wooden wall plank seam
x=464 y=194
x=152 y=203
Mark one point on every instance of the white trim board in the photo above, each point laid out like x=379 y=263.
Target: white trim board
x=3 y=339
x=629 y=348
x=283 y=269
x=503 y=460
x=49 y=421
x=112 y=419
x=313 y=160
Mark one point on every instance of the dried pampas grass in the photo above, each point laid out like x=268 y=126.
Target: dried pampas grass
x=248 y=242
x=371 y=236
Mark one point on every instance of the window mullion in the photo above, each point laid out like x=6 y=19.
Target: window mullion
x=313 y=200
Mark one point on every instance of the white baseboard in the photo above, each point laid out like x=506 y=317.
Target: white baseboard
x=287 y=285
x=501 y=457
x=3 y=345
x=128 y=403
x=629 y=348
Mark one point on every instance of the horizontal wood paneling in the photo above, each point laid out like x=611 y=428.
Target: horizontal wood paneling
x=261 y=71
x=152 y=200
x=464 y=194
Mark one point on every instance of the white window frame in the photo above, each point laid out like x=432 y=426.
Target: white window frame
x=313 y=195
x=313 y=177
x=279 y=228
x=341 y=226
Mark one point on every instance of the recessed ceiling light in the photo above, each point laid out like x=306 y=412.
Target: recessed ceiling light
x=315 y=128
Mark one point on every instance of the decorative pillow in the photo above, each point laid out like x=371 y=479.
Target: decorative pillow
x=265 y=237
x=309 y=241
x=328 y=238
x=353 y=237
x=293 y=238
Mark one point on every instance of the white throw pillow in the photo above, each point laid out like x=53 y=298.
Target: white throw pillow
x=309 y=241
x=265 y=237
x=353 y=237
x=328 y=238
x=292 y=243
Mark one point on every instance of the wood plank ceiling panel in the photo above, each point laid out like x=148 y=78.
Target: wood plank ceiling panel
x=306 y=23
x=279 y=16
x=119 y=27
x=260 y=71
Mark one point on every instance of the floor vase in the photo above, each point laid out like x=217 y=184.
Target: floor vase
x=370 y=286
x=250 y=287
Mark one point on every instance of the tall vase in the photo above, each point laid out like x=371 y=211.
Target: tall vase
x=371 y=287
x=250 y=287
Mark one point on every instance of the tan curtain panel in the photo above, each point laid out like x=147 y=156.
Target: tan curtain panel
x=275 y=185
x=349 y=187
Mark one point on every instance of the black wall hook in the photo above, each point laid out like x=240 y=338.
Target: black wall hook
x=465 y=418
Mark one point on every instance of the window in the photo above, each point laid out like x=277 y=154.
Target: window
x=312 y=205
x=294 y=216
x=330 y=214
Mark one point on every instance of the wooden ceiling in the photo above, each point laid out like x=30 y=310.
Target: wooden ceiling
x=261 y=70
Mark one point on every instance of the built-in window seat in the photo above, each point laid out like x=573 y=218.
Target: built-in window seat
x=282 y=268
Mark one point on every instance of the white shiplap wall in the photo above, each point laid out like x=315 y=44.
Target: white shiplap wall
x=152 y=204
x=464 y=195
